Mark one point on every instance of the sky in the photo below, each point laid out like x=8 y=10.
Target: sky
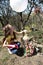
x=19 y=5
x=26 y=10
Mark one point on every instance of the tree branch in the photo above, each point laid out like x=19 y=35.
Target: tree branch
x=28 y=16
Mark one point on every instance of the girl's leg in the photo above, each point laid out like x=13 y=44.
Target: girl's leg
x=14 y=51
x=9 y=51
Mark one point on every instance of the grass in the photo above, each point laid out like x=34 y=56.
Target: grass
x=0 y=48
x=1 y=37
x=4 y=56
x=1 y=33
x=38 y=35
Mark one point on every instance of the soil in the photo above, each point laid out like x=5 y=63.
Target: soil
x=7 y=59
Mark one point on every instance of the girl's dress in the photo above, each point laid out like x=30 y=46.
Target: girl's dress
x=12 y=50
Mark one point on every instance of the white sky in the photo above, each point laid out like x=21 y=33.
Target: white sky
x=18 y=5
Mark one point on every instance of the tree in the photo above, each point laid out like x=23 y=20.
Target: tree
x=40 y=1
x=6 y=12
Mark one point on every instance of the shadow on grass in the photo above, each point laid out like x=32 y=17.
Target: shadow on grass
x=20 y=52
x=39 y=51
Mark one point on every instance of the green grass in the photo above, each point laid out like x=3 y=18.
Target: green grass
x=1 y=36
x=38 y=35
x=5 y=58
x=1 y=33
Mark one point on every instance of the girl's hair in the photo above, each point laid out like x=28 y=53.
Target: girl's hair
x=14 y=35
x=7 y=32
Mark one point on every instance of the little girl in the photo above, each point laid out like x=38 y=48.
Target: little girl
x=29 y=49
x=10 y=40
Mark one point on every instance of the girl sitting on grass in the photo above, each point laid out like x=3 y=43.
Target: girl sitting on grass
x=10 y=40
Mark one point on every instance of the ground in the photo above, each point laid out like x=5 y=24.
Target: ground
x=7 y=59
